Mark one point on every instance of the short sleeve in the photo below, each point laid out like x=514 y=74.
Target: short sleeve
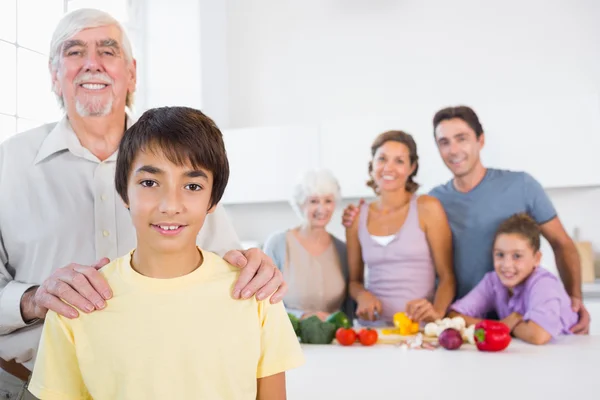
x=544 y=307
x=538 y=204
x=479 y=301
x=56 y=375
x=280 y=348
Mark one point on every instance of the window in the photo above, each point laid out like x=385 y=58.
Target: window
x=26 y=27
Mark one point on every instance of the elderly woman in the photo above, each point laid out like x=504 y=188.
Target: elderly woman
x=313 y=262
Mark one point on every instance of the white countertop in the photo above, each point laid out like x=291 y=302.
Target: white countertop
x=569 y=368
x=591 y=290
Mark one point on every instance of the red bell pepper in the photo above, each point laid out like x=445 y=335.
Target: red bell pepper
x=492 y=336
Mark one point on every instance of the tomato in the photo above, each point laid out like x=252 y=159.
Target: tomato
x=367 y=337
x=345 y=336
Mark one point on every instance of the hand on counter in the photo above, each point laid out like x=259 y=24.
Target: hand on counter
x=421 y=310
x=583 y=326
x=368 y=306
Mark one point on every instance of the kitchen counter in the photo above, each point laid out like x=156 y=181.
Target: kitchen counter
x=591 y=290
x=568 y=368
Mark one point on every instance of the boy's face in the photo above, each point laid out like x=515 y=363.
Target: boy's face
x=168 y=203
x=514 y=259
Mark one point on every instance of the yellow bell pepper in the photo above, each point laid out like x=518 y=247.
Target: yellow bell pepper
x=405 y=325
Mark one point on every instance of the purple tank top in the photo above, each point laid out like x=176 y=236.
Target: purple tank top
x=400 y=271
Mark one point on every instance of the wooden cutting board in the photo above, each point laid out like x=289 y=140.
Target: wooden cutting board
x=586 y=255
x=395 y=338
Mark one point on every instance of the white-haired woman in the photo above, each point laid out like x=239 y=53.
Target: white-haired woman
x=313 y=261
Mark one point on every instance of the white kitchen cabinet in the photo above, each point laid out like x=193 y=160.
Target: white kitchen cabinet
x=265 y=162
x=555 y=138
x=526 y=134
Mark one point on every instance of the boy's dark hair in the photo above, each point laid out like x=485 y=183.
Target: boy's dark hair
x=408 y=141
x=521 y=224
x=462 y=112
x=184 y=136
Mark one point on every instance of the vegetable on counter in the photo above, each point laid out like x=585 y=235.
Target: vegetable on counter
x=468 y=334
x=345 y=336
x=491 y=336
x=450 y=339
x=340 y=320
x=315 y=331
x=367 y=336
x=295 y=323
x=404 y=325
x=434 y=329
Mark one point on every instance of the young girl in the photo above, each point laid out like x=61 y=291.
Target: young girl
x=531 y=301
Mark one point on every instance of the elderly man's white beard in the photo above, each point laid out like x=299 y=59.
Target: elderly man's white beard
x=93 y=107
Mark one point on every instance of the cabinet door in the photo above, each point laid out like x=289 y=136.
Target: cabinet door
x=554 y=138
x=266 y=162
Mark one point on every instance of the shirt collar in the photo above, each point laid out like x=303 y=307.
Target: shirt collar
x=62 y=137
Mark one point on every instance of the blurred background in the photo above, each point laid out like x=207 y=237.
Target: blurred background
x=295 y=85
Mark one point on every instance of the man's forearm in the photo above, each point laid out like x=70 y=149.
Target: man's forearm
x=28 y=305
x=11 y=312
x=568 y=264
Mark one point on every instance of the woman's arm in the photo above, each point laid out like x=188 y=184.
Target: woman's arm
x=439 y=237
x=271 y=387
x=355 y=262
x=367 y=304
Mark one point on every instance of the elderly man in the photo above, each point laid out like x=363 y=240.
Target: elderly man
x=61 y=219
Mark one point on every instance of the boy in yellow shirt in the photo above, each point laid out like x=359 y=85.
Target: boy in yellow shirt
x=171 y=330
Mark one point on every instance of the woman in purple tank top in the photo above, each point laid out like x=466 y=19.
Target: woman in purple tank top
x=401 y=239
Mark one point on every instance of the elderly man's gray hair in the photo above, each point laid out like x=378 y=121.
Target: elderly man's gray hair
x=314 y=182
x=73 y=23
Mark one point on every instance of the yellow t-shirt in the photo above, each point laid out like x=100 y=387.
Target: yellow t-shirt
x=180 y=338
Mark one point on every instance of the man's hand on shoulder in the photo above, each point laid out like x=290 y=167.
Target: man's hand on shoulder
x=350 y=213
x=582 y=327
x=80 y=285
x=259 y=275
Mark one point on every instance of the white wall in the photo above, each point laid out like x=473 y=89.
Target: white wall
x=301 y=61
x=283 y=62
x=185 y=56
x=307 y=62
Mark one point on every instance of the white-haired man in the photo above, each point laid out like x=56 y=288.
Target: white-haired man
x=60 y=219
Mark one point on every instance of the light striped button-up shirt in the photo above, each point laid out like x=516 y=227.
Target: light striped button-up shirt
x=58 y=205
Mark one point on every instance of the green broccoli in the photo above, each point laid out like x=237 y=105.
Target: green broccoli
x=315 y=331
x=295 y=323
